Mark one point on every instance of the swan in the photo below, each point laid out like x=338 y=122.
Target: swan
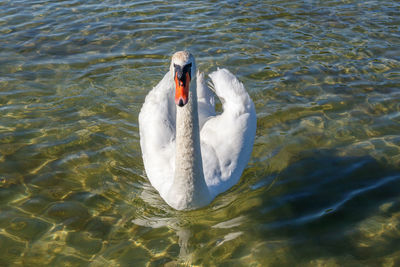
x=190 y=153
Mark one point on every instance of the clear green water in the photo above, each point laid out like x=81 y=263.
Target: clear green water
x=322 y=187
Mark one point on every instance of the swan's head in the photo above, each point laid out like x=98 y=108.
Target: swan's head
x=183 y=69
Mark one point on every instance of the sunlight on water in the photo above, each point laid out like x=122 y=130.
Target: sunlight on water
x=321 y=188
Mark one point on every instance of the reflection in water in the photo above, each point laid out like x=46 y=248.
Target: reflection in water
x=173 y=224
x=182 y=224
x=180 y=228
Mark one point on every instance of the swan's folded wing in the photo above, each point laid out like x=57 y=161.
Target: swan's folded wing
x=157 y=133
x=227 y=139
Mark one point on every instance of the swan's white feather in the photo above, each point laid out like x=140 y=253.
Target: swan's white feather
x=205 y=100
x=226 y=139
x=157 y=134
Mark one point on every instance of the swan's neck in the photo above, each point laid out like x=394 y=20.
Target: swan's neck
x=189 y=189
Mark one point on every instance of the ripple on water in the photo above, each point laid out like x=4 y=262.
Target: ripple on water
x=321 y=187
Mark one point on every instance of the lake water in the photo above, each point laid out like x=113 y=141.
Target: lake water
x=322 y=187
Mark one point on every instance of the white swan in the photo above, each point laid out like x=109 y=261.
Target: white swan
x=190 y=154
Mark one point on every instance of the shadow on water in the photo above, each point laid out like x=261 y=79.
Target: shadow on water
x=326 y=206
x=322 y=209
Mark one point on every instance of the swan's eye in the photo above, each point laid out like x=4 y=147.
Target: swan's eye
x=187 y=68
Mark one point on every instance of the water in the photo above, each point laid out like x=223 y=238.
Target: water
x=322 y=186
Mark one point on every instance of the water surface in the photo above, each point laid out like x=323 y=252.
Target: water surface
x=322 y=186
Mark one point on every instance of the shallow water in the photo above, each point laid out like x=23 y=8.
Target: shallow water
x=322 y=186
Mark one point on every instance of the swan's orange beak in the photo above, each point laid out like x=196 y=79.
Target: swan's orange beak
x=182 y=89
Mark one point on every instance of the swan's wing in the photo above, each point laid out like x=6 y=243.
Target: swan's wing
x=227 y=139
x=205 y=100
x=157 y=134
